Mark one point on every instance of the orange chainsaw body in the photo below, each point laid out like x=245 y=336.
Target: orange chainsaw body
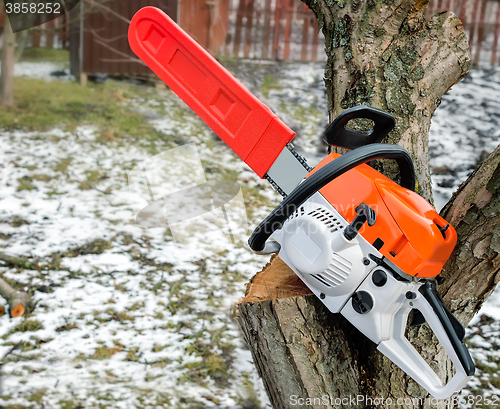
x=407 y=228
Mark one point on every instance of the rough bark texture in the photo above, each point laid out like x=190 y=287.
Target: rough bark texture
x=7 y=74
x=472 y=272
x=386 y=55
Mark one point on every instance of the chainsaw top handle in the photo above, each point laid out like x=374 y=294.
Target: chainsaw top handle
x=337 y=134
x=325 y=175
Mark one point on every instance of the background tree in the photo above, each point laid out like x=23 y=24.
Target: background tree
x=8 y=59
x=387 y=55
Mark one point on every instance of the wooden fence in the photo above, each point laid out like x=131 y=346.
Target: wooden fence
x=52 y=34
x=273 y=29
x=287 y=29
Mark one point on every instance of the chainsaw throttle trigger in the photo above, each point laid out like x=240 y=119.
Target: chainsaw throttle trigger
x=338 y=134
x=325 y=175
x=364 y=214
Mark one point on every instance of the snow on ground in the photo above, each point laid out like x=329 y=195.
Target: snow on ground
x=464 y=130
x=119 y=321
x=48 y=71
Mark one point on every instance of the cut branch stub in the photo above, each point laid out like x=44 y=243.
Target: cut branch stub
x=18 y=300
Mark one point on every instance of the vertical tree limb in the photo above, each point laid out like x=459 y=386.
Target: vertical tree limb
x=8 y=59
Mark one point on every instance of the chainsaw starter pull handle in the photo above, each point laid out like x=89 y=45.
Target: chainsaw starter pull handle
x=325 y=175
x=337 y=134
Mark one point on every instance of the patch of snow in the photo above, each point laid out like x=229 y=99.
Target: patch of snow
x=43 y=70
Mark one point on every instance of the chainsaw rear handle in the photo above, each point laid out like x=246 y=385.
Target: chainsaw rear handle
x=454 y=329
x=337 y=134
x=449 y=333
x=325 y=175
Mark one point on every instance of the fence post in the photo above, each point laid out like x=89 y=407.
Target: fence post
x=266 y=36
x=305 y=37
x=277 y=24
x=495 y=38
x=288 y=28
x=248 y=28
x=239 y=24
x=480 y=32
x=472 y=29
x=314 y=55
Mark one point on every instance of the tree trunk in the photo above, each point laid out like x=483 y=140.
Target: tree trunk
x=8 y=59
x=385 y=55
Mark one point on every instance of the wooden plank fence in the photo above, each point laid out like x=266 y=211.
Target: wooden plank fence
x=287 y=29
x=52 y=34
x=273 y=29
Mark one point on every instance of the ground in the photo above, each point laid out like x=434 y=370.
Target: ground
x=121 y=319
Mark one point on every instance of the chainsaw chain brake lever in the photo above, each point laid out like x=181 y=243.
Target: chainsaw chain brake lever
x=338 y=134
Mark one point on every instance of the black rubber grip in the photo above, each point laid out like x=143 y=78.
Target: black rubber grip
x=454 y=329
x=324 y=176
x=338 y=135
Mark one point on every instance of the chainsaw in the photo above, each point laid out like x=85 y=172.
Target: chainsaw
x=367 y=247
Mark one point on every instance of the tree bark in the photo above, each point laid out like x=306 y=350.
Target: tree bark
x=383 y=54
x=22 y=262
x=8 y=59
